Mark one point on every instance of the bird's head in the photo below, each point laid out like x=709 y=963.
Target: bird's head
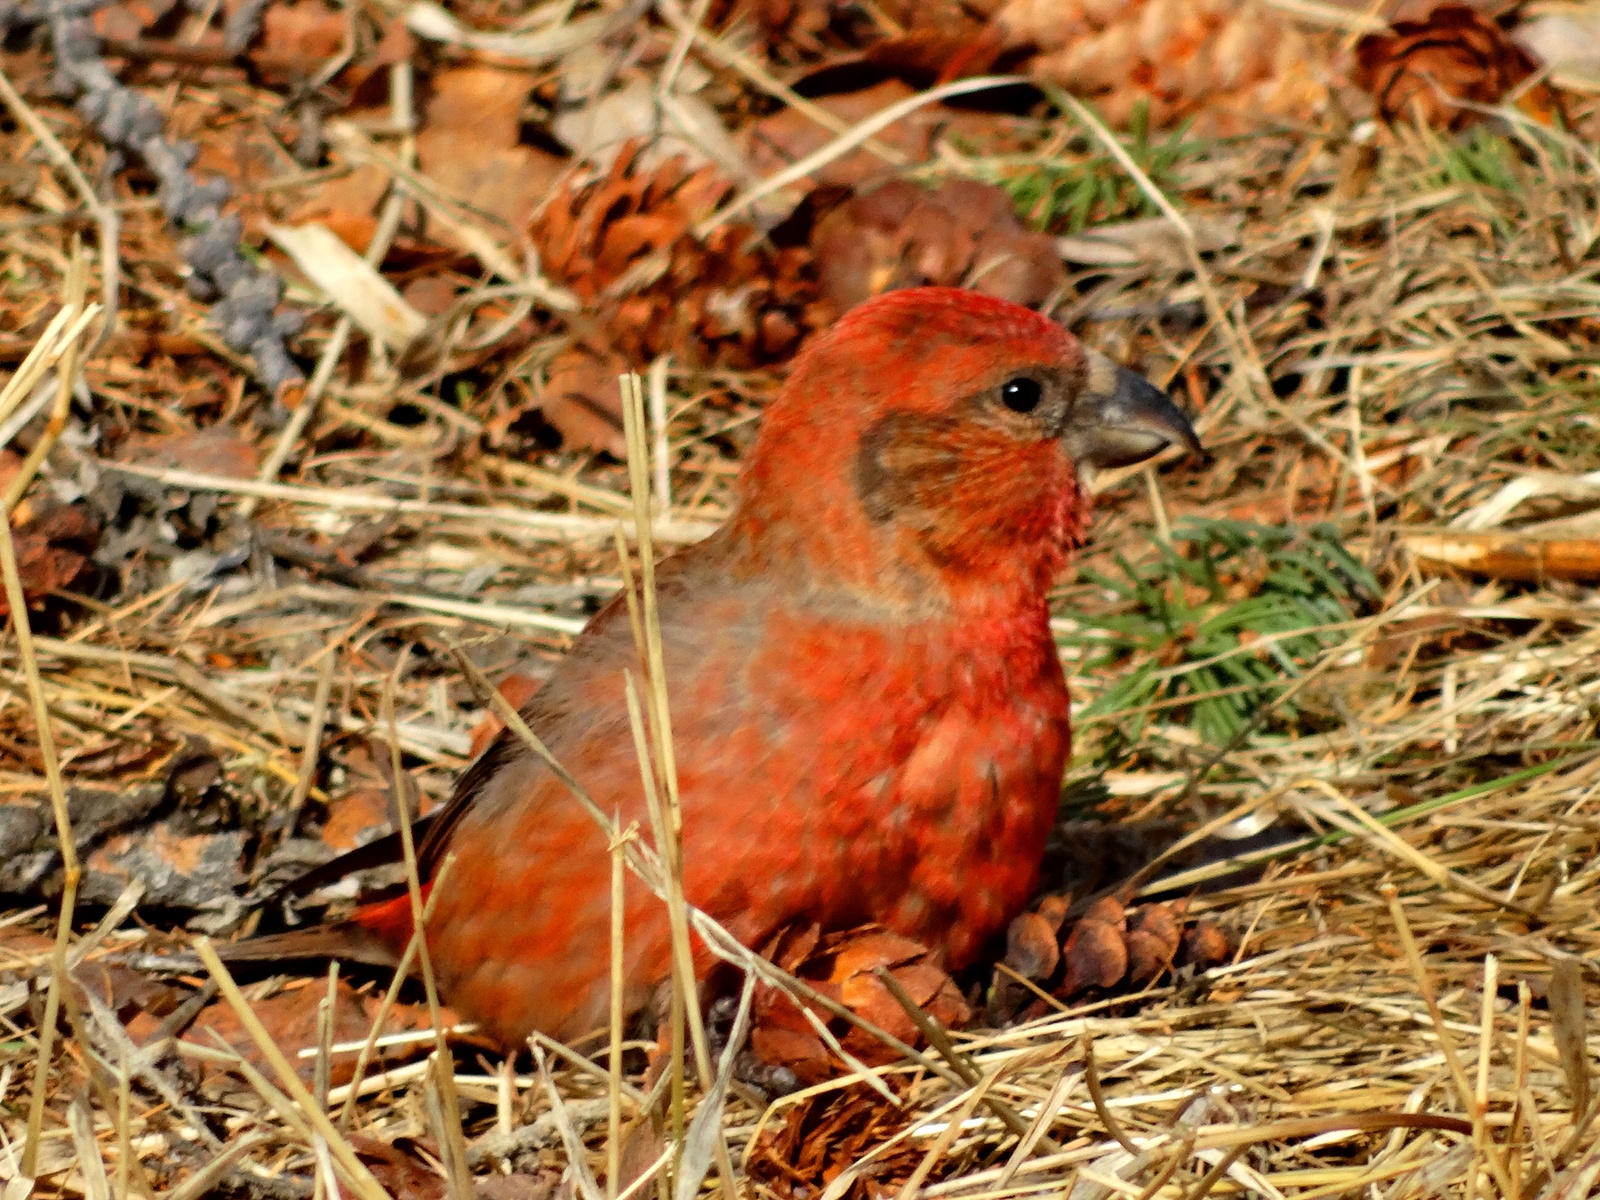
x=929 y=448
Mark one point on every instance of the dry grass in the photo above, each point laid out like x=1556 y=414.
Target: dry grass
x=1397 y=351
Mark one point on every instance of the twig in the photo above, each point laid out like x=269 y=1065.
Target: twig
x=666 y=814
x=577 y=1159
x=1091 y=1076
x=71 y=871
x=614 y=1056
x=1390 y=841
x=311 y=750
x=453 y=1143
x=1210 y=1179
x=552 y=525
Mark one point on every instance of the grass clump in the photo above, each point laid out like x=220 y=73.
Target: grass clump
x=1218 y=622
x=1067 y=195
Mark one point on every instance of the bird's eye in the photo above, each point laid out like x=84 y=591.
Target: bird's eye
x=1021 y=394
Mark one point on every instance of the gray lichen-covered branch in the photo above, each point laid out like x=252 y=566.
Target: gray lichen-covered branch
x=245 y=297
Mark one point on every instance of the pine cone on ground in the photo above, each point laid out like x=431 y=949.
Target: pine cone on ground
x=1433 y=69
x=845 y=967
x=961 y=234
x=1230 y=64
x=625 y=245
x=1110 y=948
x=837 y=1130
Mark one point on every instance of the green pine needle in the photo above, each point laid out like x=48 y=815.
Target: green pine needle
x=1226 y=614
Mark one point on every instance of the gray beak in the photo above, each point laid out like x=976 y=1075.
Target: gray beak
x=1122 y=418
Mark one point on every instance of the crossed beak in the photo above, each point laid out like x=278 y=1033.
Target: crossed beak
x=1122 y=418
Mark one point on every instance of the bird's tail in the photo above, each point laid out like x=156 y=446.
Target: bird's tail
x=375 y=933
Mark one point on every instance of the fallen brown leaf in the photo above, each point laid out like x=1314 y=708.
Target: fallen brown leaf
x=354 y=817
x=297 y=39
x=471 y=144
x=126 y=992
x=130 y=18
x=582 y=398
x=399 y=1168
x=365 y=807
x=53 y=551
x=518 y=1185
x=215 y=450
x=774 y=143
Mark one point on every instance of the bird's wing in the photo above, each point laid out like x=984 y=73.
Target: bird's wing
x=561 y=713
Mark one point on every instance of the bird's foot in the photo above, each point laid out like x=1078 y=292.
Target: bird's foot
x=749 y=1069
x=771 y=1080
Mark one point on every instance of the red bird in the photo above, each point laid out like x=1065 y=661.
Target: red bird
x=870 y=719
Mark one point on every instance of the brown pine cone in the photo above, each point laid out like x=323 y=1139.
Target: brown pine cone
x=625 y=245
x=1228 y=63
x=844 y=967
x=1433 y=68
x=1108 y=948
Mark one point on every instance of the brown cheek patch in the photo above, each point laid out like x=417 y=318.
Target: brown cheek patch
x=903 y=459
x=947 y=477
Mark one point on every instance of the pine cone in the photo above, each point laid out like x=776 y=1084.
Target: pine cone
x=1110 y=948
x=963 y=234
x=624 y=244
x=807 y=29
x=843 y=1133
x=1228 y=63
x=1434 y=67
x=844 y=967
